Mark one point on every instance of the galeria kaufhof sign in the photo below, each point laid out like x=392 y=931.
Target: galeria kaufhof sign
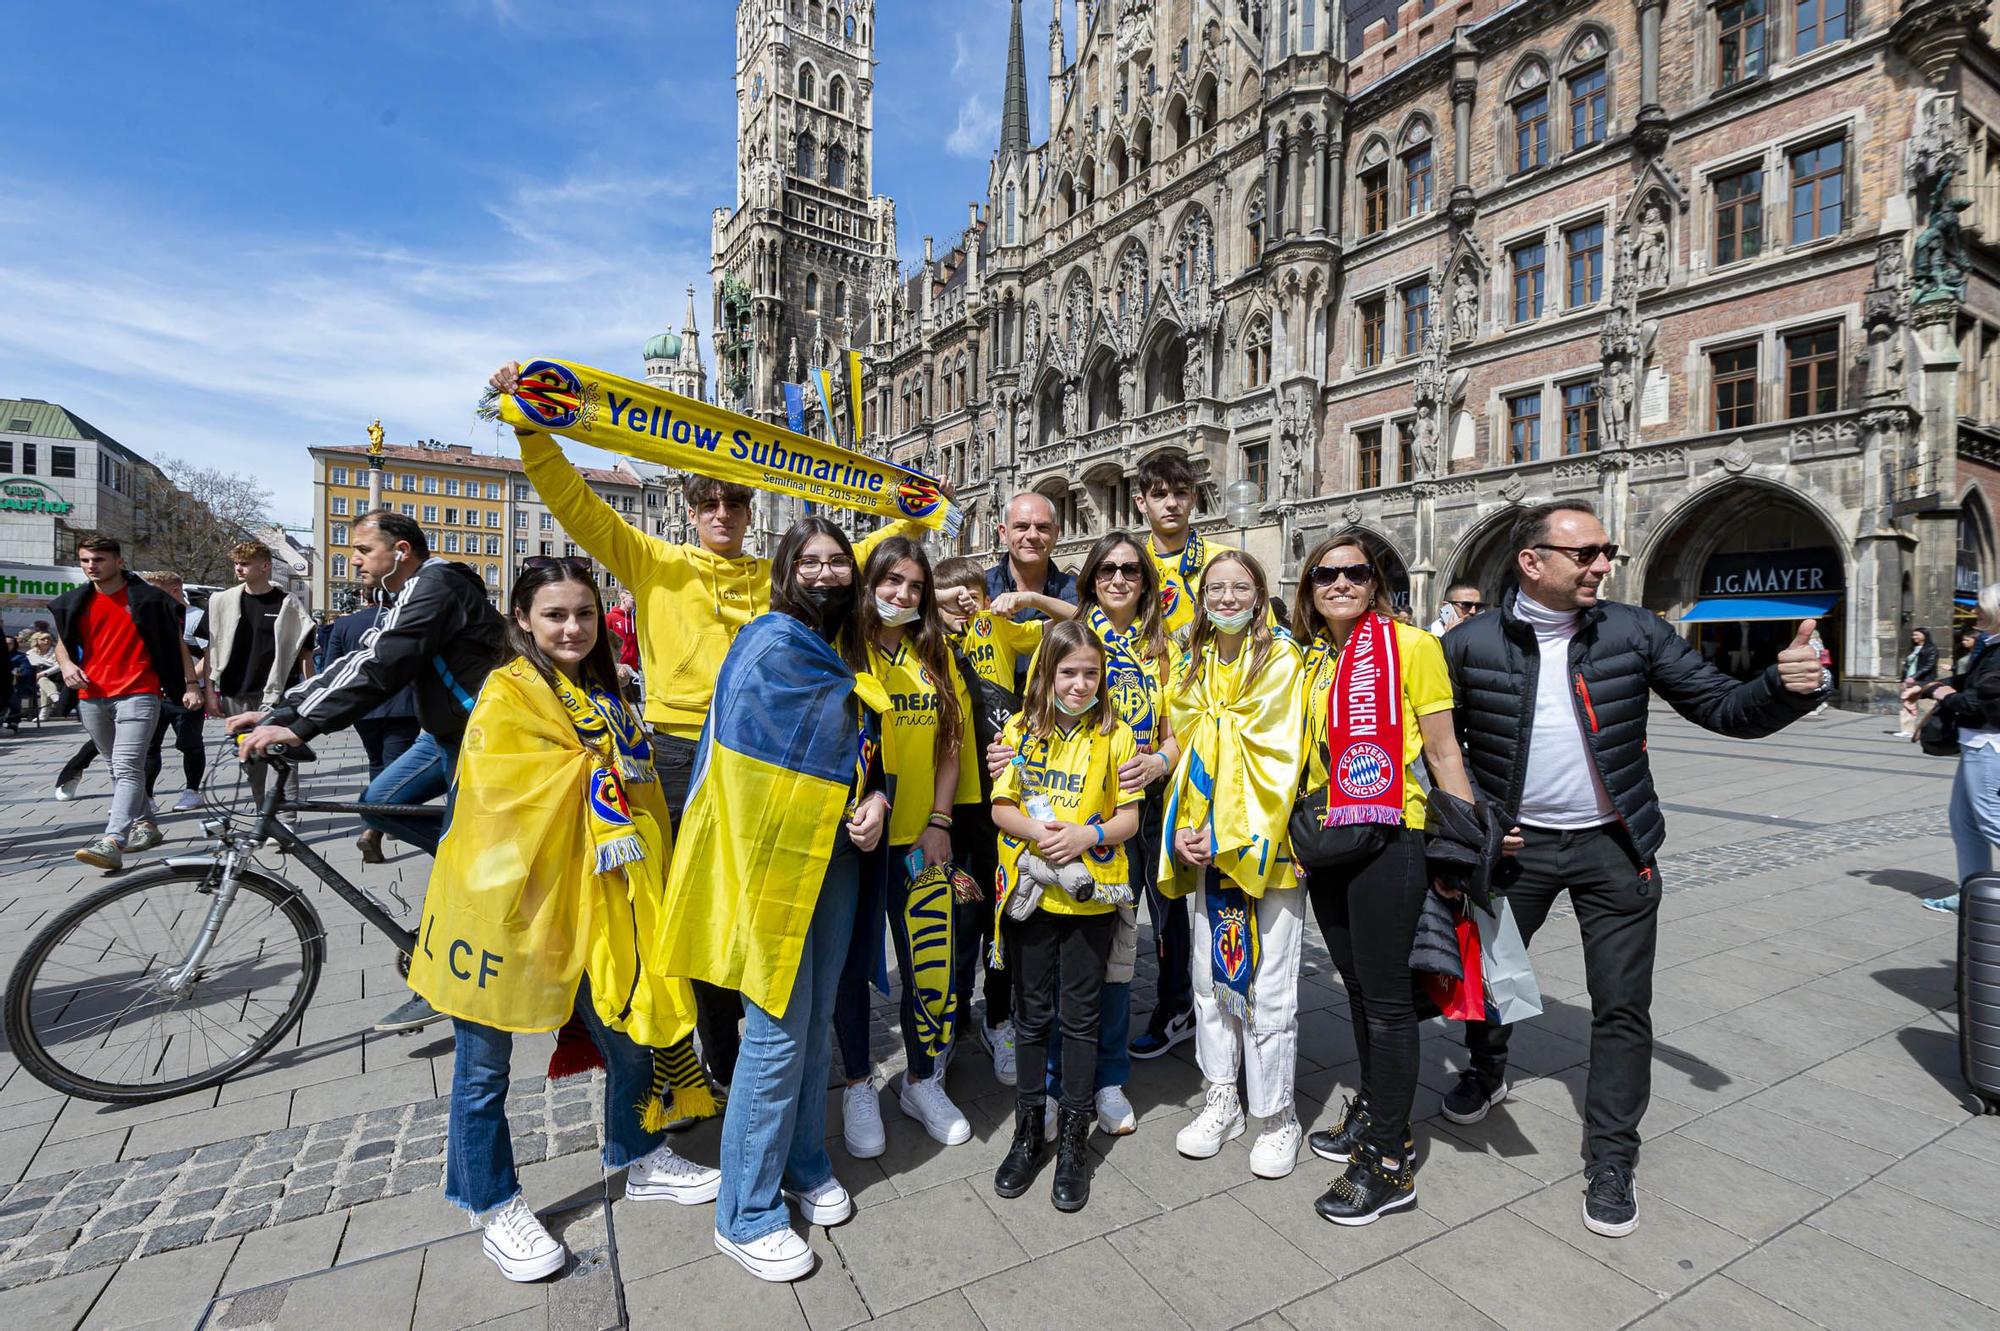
x=24 y=494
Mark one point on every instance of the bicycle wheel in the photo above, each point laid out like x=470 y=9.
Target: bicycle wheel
x=87 y=1010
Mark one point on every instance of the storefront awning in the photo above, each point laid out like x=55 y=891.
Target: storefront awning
x=1969 y=602
x=1729 y=609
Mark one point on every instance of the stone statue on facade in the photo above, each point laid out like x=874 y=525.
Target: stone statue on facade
x=1650 y=248
x=1194 y=374
x=1941 y=265
x=1464 y=306
x=1623 y=345
x=1424 y=440
x=1296 y=434
x=1439 y=389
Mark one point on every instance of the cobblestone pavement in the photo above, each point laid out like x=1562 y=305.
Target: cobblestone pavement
x=1811 y=1154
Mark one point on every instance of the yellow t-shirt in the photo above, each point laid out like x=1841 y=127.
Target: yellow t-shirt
x=1177 y=589
x=995 y=644
x=909 y=729
x=1426 y=690
x=1078 y=772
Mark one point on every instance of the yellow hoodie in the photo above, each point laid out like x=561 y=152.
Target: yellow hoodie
x=691 y=603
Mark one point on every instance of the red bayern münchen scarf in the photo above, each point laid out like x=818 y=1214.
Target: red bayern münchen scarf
x=1364 y=728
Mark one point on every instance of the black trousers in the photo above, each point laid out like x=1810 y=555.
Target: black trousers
x=718 y=1013
x=1368 y=915
x=1173 y=938
x=975 y=848
x=386 y=738
x=1617 y=900
x=1058 y=963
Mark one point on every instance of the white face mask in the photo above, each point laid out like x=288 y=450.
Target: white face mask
x=895 y=616
x=1235 y=623
x=1068 y=710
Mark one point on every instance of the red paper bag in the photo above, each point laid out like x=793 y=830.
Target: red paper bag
x=1462 y=999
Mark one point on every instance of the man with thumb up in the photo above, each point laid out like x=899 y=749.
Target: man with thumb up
x=1552 y=694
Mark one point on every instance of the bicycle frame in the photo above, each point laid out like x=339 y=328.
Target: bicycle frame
x=236 y=853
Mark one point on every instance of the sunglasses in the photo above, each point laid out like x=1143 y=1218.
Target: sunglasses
x=571 y=562
x=1470 y=605
x=1325 y=575
x=1108 y=572
x=1585 y=555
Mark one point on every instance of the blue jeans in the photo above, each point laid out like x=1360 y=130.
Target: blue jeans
x=479 y=1152
x=421 y=775
x=774 y=1131
x=1975 y=810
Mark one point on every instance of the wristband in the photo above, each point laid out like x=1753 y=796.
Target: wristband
x=941 y=821
x=1099 y=829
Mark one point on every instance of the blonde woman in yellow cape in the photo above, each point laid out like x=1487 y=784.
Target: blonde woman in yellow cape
x=1233 y=703
x=546 y=901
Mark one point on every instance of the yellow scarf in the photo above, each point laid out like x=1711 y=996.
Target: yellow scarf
x=1242 y=746
x=518 y=912
x=645 y=421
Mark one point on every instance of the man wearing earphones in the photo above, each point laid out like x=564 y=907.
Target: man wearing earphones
x=438 y=634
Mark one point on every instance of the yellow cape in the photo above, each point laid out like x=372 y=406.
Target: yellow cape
x=1242 y=746
x=516 y=914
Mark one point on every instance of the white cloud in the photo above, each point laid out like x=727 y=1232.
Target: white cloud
x=977 y=132
x=241 y=350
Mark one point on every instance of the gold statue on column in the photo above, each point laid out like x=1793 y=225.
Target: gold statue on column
x=375 y=433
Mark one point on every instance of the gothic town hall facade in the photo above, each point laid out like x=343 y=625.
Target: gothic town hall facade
x=1725 y=268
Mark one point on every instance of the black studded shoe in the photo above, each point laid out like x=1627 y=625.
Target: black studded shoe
x=1368 y=1190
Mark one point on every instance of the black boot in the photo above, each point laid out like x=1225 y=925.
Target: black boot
x=1072 y=1187
x=1025 y=1156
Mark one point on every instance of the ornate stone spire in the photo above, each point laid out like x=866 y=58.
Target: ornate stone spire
x=1014 y=102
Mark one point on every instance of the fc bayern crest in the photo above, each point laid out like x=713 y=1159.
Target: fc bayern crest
x=1366 y=770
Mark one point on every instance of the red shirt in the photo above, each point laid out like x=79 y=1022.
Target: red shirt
x=114 y=656
x=628 y=637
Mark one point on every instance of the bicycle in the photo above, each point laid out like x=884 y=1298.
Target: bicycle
x=217 y=959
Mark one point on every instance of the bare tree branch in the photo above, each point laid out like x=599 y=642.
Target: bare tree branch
x=191 y=527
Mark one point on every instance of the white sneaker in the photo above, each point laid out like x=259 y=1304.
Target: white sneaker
x=779 y=1256
x=1220 y=1120
x=828 y=1204
x=660 y=1174
x=189 y=801
x=67 y=790
x=861 y=1122
x=1114 y=1112
x=925 y=1101
x=518 y=1245
x=1000 y=1044
x=1277 y=1147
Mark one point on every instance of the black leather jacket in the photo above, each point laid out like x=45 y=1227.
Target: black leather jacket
x=1620 y=654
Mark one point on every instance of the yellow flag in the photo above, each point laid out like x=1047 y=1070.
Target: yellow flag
x=854 y=391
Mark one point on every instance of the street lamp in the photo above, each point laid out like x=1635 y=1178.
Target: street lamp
x=1242 y=503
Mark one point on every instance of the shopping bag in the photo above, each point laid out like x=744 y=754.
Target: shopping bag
x=1511 y=991
x=1461 y=997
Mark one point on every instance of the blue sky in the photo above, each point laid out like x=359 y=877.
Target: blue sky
x=230 y=230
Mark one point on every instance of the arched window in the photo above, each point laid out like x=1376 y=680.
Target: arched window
x=850 y=27
x=807 y=84
x=1587 y=89
x=836 y=167
x=757 y=89
x=840 y=299
x=1257 y=353
x=832 y=20
x=1530 y=98
x=493 y=574
x=836 y=94
x=803 y=168
x=1010 y=213
x=812 y=292
x=340 y=567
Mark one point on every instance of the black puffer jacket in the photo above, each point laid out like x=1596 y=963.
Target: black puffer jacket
x=1619 y=655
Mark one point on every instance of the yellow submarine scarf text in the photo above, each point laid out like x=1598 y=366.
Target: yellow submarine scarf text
x=647 y=422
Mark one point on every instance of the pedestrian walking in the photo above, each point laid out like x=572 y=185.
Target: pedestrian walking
x=1060 y=805
x=763 y=891
x=260 y=644
x=185 y=723
x=438 y=634
x=389 y=730
x=923 y=741
x=1377 y=699
x=1920 y=667
x=1235 y=708
x=20 y=684
x=1970 y=703
x=48 y=673
x=118 y=641
x=554 y=767
x=1552 y=696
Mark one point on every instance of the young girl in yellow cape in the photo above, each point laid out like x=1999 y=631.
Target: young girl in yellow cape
x=1235 y=710
x=546 y=901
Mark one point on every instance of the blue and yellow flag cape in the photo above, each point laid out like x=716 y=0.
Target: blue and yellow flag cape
x=518 y=912
x=1242 y=748
x=774 y=777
